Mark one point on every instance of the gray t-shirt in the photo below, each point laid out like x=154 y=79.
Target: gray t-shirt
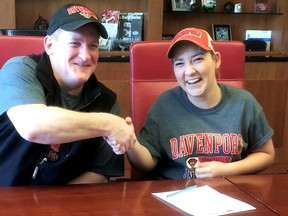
x=179 y=134
x=19 y=85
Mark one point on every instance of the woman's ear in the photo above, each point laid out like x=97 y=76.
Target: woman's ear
x=48 y=42
x=217 y=60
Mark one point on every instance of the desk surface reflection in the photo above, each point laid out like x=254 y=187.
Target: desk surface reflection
x=115 y=198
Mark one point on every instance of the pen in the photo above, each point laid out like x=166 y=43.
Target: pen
x=180 y=191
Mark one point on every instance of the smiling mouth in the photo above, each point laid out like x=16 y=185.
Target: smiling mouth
x=193 y=81
x=81 y=65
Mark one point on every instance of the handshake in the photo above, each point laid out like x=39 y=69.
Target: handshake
x=122 y=137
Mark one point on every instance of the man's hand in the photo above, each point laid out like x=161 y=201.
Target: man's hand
x=121 y=147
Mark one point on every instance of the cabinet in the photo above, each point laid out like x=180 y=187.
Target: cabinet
x=174 y=21
x=23 y=13
x=268 y=82
x=159 y=19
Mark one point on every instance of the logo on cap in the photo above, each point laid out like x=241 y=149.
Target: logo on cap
x=195 y=33
x=83 y=11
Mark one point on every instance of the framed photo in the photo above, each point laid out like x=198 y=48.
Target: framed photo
x=221 y=32
x=263 y=6
x=181 y=5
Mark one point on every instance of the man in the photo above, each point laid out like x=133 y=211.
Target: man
x=54 y=113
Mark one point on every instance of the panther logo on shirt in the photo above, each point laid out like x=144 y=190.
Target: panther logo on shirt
x=191 y=165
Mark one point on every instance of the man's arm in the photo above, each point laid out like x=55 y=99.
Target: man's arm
x=49 y=125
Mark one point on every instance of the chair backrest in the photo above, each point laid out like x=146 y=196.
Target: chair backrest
x=151 y=72
x=11 y=46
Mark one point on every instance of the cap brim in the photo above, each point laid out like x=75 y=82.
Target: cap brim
x=79 y=23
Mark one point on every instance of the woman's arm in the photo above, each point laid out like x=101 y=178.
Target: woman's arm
x=140 y=158
x=255 y=162
x=137 y=154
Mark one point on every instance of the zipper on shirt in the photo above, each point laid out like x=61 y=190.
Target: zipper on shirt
x=38 y=167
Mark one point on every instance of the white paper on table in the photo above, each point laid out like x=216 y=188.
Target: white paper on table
x=204 y=200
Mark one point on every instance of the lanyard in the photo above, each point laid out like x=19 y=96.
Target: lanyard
x=52 y=156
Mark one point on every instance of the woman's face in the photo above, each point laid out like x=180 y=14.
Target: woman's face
x=195 y=70
x=74 y=56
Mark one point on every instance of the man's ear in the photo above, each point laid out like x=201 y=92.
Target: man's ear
x=48 y=42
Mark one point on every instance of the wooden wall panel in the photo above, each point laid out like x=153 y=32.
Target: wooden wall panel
x=272 y=95
x=7 y=14
x=268 y=82
x=115 y=75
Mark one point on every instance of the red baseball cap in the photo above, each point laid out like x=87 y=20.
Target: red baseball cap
x=197 y=36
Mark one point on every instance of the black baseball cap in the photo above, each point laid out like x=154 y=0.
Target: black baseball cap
x=70 y=17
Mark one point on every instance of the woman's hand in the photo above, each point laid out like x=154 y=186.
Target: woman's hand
x=210 y=169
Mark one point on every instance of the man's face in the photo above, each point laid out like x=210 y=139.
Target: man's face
x=74 y=56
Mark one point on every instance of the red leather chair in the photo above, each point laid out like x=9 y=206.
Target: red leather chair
x=151 y=73
x=11 y=46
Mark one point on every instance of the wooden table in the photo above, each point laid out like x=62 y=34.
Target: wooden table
x=115 y=198
x=271 y=190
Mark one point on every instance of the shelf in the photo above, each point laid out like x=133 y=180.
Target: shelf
x=114 y=56
x=263 y=53
x=251 y=56
x=256 y=56
x=248 y=53
x=265 y=56
x=113 y=53
x=223 y=13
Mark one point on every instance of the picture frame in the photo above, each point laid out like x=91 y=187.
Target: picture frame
x=263 y=6
x=221 y=32
x=181 y=5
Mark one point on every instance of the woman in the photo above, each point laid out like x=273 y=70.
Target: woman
x=201 y=128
